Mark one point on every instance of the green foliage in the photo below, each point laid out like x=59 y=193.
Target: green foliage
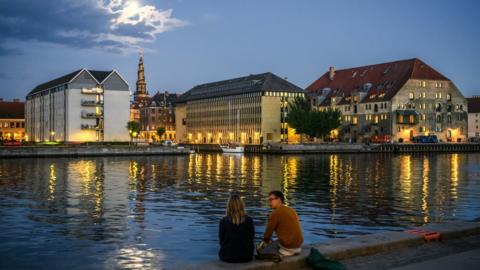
x=160 y=131
x=133 y=128
x=299 y=116
x=311 y=123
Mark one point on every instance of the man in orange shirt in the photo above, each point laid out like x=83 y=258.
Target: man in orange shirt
x=284 y=221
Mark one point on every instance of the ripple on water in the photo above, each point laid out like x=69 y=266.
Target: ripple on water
x=149 y=212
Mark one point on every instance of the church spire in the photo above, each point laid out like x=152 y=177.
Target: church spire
x=141 y=91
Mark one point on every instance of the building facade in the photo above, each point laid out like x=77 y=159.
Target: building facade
x=12 y=120
x=83 y=106
x=246 y=110
x=401 y=99
x=474 y=117
x=158 y=112
x=140 y=97
x=152 y=112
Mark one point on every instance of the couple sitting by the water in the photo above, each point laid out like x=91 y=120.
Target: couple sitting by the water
x=236 y=232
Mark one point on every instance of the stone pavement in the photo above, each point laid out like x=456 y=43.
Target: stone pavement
x=460 y=253
x=376 y=251
x=468 y=260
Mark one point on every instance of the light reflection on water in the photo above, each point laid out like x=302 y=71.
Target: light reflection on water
x=152 y=212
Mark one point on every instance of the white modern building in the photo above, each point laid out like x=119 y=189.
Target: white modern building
x=83 y=106
x=474 y=118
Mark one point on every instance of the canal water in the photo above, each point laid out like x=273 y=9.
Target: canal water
x=146 y=212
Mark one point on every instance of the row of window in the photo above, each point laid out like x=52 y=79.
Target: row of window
x=436 y=84
x=283 y=94
x=438 y=95
x=48 y=91
x=11 y=124
x=438 y=106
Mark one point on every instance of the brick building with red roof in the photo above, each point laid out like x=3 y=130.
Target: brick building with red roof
x=12 y=120
x=402 y=99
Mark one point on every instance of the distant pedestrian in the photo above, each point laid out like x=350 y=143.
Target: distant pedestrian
x=284 y=221
x=236 y=233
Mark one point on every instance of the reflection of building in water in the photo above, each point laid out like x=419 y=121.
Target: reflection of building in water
x=418 y=190
x=94 y=193
x=243 y=174
x=425 y=190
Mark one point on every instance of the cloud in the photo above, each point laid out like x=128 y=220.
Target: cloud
x=111 y=25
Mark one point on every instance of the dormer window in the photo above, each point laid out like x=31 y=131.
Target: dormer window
x=449 y=96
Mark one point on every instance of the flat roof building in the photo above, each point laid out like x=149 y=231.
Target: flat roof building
x=245 y=110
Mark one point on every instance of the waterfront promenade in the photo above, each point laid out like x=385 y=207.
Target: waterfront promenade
x=399 y=250
x=278 y=149
x=88 y=151
x=320 y=148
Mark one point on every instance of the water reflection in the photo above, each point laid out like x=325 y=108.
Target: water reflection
x=147 y=212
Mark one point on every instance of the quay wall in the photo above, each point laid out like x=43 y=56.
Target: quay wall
x=345 y=148
x=85 y=151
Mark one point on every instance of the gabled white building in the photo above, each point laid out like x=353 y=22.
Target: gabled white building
x=85 y=105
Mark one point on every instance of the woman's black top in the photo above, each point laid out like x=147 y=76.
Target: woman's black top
x=236 y=241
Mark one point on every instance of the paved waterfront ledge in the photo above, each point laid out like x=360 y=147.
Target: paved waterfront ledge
x=87 y=151
x=341 y=249
x=325 y=148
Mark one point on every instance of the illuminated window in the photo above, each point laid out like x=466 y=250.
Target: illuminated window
x=424 y=84
x=411 y=119
x=449 y=96
x=411 y=95
x=375 y=119
x=424 y=95
x=354 y=120
x=400 y=118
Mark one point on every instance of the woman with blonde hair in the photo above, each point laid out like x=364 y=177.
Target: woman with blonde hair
x=236 y=233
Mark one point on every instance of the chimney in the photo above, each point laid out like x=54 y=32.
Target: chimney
x=16 y=100
x=331 y=73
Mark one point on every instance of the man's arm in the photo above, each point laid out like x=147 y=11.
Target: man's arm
x=271 y=226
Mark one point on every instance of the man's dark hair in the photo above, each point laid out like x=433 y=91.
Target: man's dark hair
x=278 y=194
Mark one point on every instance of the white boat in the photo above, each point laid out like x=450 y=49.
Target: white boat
x=232 y=148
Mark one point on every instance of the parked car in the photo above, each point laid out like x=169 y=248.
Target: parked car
x=168 y=143
x=474 y=139
x=12 y=143
x=380 y=139
x=425 y=139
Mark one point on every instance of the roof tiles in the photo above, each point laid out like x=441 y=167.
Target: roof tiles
x=383 y=80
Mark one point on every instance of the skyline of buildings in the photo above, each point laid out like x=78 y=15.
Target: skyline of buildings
x=403 y=99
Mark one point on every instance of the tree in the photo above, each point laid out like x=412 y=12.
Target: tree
x=299 y=116
x=325 y=122
x=305 y=121
x=160 y=132
x=133 y=129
